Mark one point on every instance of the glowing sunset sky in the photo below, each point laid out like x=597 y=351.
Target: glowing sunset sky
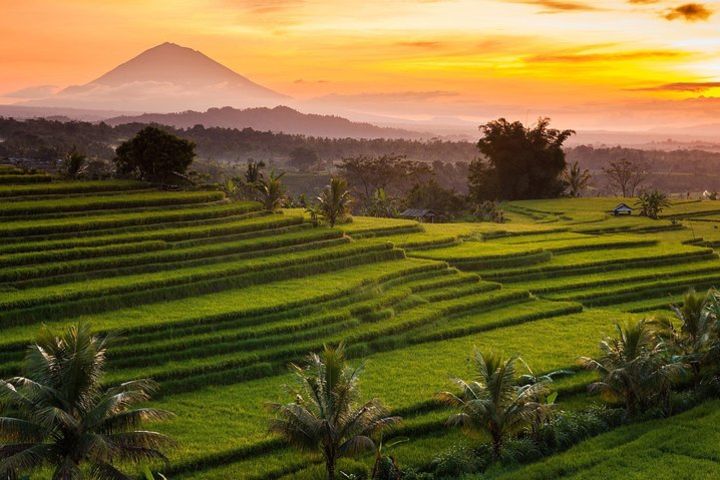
x=466 y=58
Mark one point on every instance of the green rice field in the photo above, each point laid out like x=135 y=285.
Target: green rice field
x=213 y=298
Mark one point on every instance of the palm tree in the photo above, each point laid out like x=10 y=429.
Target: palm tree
x=325 y=414
x=74 y=164
x=653 y=203
x=334 y=201
x=635 y=368
x=493 y=402
x=697 y=338
x=576 y=179
x=63 y=419
x=272 y=192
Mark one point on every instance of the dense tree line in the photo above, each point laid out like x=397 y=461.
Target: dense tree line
x=51 y=139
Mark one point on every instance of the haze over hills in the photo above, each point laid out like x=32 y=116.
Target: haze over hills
x=170 y=78
x=165 y=78
x=277 y=119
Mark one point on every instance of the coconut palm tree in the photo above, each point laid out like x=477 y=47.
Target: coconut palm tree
x=576 y=179
x=74 y=164
x=653 y=203
x=636 y=367
x=272 y=192
x=696 y=338
x=493 y=402
x=326 y=415
x=334 y=201
x=63 y=419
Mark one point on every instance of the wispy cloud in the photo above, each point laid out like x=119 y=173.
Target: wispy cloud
x=409 y=96
x=559 y=6
x=690 y=12
x=591 y=57
x=422 y=44
x=40 y=91
x=680 y=87
x=264 y=6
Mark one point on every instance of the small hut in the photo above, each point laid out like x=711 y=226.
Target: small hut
x=420 y=214
x=622 y=209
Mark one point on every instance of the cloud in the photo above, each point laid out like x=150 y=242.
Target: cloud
x=690 y=12
x=265 y=6
x=559 y=6
x=421 y=44
x=399 y=97
x=580 y=57
x=680 y=87
x=39 y=91
x=151 y=96
x=409 y=96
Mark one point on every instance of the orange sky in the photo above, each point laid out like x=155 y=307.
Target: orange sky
x=441 y=57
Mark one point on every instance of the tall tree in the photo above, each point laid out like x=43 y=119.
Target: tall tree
x=326 y=415
x=64 y=419
x=334 y=202
x=154 y=155
x=625 y=176
x=519 y=162
x=303 y=158
x=576 y=179
x=431 y=195
x=393 y=174
x=494 y=402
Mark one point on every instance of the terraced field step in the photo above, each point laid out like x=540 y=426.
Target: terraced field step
x=8 y=192
x=577 y=263
x=106 y=293
x=367 y=337
x=12 y=178
x=160 y=253
x=363 y=227
x=89 y=203
x=252 y=305
x=630 y=275
x=480 y=255
x=628 y=291
x=21 y=231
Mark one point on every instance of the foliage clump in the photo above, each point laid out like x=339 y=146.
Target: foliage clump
x=154 y=155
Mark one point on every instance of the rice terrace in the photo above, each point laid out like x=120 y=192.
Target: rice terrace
x=377 y=240
x=212 y=298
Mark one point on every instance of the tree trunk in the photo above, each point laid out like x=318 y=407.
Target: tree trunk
x=330 y=465
x=496 y=445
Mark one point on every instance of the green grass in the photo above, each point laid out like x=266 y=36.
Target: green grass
x=684 y=446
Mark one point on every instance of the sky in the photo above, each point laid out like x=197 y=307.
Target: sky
x=587 y=63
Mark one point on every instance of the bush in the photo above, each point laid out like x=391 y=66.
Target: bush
x=455 y=461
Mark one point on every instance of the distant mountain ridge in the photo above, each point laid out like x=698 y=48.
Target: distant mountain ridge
x=279 y=119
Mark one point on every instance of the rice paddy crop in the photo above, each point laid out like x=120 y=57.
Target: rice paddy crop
x=213 y=298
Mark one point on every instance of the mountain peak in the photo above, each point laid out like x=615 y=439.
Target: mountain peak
x=167 y=77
